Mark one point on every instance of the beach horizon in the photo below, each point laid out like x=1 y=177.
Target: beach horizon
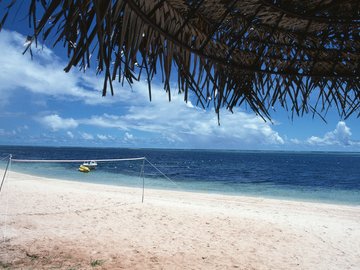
x=320 y=177
x=75 y=225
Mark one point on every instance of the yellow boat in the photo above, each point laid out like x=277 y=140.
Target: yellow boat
x=83 y=168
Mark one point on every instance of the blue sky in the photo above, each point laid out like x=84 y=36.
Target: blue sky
x=40 y=104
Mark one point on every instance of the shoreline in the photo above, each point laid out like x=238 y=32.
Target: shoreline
x=67 y=224
x=179 y=192
x=196 y=191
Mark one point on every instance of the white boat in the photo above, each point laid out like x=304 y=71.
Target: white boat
x=90 y=164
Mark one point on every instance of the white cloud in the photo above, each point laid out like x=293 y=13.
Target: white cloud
x=44 y=74
x=181 y=122
x=172 y=122
x=21 y=129
x=341 y=135
x=87 y=136
x=101 y=137
x=128 y=136
x=177 y=122
x=105 y=121
x=3 y=132
x=295 y=141
x=70 y=134
x=104 y=137
x=55 y=122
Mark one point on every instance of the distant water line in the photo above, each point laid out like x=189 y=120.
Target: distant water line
x=324 y=177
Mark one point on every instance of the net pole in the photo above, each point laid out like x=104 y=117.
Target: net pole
x=6 y=169
x=143 y=178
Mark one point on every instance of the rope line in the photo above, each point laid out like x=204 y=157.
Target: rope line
x=162 y=173
x=10 y=160
x=142 y=170
x=4 y=157
x=97 y=160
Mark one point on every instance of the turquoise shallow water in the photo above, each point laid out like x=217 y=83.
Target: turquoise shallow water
x=324 y=177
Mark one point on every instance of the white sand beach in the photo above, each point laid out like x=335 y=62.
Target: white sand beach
x=54 y=224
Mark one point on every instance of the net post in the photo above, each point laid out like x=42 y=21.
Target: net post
x=6 y=169
x=143 y=178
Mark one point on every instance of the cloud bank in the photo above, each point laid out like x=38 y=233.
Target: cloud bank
x=175 y=123
x=340 y=136
x=157 y=122
x=43 y=74
x=136 y=121
x=55 y=122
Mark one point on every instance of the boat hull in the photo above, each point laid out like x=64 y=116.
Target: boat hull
x=84 y=169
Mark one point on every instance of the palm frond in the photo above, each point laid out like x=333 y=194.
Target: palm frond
x=302 y=55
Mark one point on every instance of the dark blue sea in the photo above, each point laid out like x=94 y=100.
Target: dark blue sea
x=308 y=176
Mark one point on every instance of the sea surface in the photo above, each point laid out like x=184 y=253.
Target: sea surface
x=332 y=177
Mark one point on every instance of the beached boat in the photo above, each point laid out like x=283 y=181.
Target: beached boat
x=90 y=164
x=83 y=168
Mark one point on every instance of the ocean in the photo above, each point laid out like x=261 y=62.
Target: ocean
x=332 y=177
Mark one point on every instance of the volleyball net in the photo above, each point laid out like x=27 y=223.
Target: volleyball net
x=19 y=202
x=82 y=162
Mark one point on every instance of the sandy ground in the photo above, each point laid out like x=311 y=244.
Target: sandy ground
x=53 y=224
